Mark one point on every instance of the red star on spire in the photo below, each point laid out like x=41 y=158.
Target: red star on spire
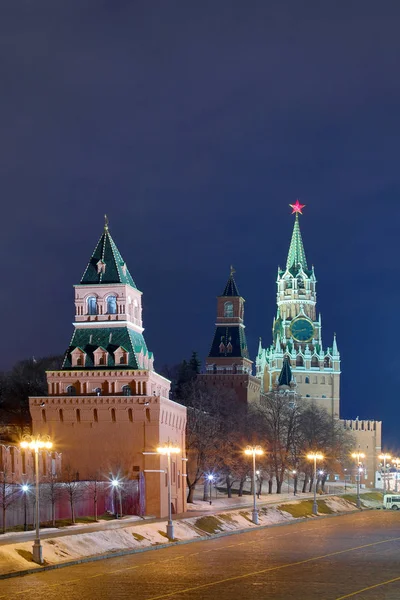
x=297 y=207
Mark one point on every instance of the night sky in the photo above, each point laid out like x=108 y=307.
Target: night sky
x=193 y=125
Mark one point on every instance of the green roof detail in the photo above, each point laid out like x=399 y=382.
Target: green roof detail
x=285 y=376
x=106 y=264
x=296 y=256
x=110 y=339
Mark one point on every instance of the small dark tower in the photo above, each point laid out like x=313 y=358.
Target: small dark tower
x=228 y=363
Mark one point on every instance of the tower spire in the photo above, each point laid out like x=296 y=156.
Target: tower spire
x=231 y=287
x=296 y=255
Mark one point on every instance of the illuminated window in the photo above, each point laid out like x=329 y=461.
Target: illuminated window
x=112 y=305
x=92 y=305
x=228 y=309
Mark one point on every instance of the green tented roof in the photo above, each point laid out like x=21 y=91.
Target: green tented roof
x=110 y=339
x=115 y=269
x=285 y=376
x=296 y=255
x=235 y=336
x=231 y=287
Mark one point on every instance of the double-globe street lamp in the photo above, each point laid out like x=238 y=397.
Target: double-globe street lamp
x=37 y=443
x=358 y=456
x=315 y=456
x=167 y=450
x=384 y=457
x=254 y=451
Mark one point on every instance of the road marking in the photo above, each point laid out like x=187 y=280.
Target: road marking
x=295 y=564
x=371 y=587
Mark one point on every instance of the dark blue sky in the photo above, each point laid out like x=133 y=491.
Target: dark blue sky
x=193 y=125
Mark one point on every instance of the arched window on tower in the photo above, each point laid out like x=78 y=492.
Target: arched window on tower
x=112 y=305
x=71 y=390
x=126 y=390
x=327 y=362
x=92 y=305
x=307 y=380
x=300 y=283
x=299 y=361
x=228 y=309
x=113 y=418
x=314 y=362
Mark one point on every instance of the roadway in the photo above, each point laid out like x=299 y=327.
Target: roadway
x=351 y=556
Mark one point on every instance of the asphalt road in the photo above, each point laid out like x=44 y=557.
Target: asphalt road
x=352 y=556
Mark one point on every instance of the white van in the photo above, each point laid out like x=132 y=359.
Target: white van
x=391 y=501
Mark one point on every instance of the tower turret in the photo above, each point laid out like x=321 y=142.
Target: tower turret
x=228 y=363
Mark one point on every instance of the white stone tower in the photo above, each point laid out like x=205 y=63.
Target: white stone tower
x=297 y=333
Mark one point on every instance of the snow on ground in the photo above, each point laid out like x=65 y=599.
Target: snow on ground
x=16 y=557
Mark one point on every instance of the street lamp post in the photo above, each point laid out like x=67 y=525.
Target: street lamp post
x=384 y=457
x=253 y=451
x=315 y=456
x=358 y=456
x=396 y=461
x=117 y=489
x=167 y=450
x=37 y=443
x=210 y=480
x=294 y=473
x=25 y=490
x=345 y=480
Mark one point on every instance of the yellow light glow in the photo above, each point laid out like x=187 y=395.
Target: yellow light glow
x=168 y=450
x=315 y=456
x=358 y=455
x=256 y=450
x=36 y=444
x=385 y=456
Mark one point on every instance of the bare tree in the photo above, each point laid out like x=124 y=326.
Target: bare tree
x=92 y=486
x=207 y=441
x=317 y=431
x=277 y=424
x=73 y=488
x=52 y=492
x=8 y=495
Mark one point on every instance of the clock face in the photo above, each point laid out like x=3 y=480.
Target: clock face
x=302 y=330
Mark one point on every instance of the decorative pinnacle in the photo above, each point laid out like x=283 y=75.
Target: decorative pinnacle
x=105 y=222
x=232 y=271
x=297 y=207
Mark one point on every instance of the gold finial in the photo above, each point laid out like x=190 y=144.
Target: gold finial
x=232 y=271
x=105 y=222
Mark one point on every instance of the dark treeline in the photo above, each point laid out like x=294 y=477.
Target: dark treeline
x=27 y=378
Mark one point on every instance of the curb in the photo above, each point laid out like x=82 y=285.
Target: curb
x=211 y=536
